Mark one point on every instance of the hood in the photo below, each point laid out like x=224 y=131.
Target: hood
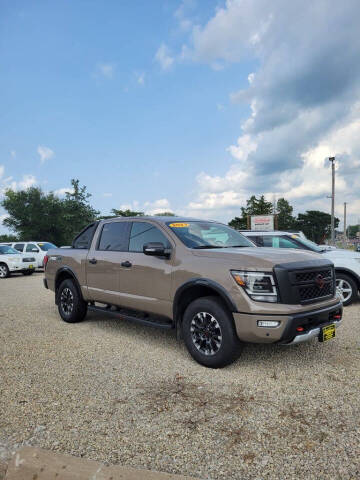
x=258 y=258
x=341 y=252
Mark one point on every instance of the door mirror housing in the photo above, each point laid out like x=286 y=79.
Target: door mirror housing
x=35 y=250
x=156 y=249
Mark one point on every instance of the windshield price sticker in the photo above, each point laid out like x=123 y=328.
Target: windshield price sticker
x=179 y=225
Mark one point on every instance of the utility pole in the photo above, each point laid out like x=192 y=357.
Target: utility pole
x=332 y=160
x=345 y=236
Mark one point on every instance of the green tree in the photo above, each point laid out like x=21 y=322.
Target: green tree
x=316 y=225
x=35 y=215
x=166 y=214
x=285 y=218
x=8 y=238
x=254 y=206
x=126 y=213
x=352 y=230
x=77 y=210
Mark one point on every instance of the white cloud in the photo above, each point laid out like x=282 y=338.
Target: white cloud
x=62 y=191
x=13 y=153
x=107 y=194
x=301 y=97
x=45 y=153
x=163 y=57
x=140 y=78
x=6 y=183
x=105 y=70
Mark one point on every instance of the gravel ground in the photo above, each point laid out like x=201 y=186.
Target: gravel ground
x=117 y=392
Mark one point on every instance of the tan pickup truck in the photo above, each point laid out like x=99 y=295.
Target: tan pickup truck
x=202 y=278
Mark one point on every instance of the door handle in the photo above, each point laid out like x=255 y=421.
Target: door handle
x=93 y=261
x=126 y=264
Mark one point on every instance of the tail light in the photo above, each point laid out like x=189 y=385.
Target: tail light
x=46 y=259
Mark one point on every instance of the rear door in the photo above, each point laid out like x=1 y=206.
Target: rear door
x=32 y=250
x=103 y=265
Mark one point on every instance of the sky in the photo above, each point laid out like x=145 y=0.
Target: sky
x=182 y=105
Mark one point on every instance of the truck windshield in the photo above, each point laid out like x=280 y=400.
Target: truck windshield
x=310 y=245
x=4 y=249
x=208 y=235
x=46 y=246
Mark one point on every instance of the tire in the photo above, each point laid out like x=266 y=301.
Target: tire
x=71 y=306
x=28 y=273
x=4 y=270
x=209 y=333
x=346 y=288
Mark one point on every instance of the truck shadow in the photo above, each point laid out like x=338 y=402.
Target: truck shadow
x=267 y=357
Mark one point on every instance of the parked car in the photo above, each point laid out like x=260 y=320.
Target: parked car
x=202 y=278
x=358 y=247
x=12 y=261
x=36 y=249
x=347 y=262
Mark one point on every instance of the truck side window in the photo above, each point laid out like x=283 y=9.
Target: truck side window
x=83 y=240
x=19 y=247
x=115 y=237
x=142 y=232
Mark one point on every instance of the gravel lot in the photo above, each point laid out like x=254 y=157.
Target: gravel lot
x=117 y=392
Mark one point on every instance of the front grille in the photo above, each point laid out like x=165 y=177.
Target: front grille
x=312 y=291
x=313 y=284
x=308 y=276
x=305 y=282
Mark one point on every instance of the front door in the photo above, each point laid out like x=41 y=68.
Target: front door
x=145 y=283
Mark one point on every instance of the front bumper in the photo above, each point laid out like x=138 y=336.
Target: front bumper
x=286 y=332
x=315 y=332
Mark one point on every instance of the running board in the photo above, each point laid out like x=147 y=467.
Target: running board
x=150 y=320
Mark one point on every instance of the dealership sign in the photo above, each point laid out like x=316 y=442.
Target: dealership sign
x=262 y=222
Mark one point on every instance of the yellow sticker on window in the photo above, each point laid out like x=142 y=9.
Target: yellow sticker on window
x=179 y=225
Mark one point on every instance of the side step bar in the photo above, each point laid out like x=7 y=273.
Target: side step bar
x=133 y=316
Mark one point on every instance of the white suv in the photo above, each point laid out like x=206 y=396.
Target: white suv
x=11 y=261
x=347 y=262
x=37 y=250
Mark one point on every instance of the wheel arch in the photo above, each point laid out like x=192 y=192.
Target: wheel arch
x=62 y=274
x=349 y=273
x=197 y=288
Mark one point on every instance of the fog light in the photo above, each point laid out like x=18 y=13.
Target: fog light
x=268 y=323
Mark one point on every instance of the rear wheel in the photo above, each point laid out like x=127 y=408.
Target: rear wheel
x=4 y=270
x=209 y=333
x=71 y=305
x=346 y=288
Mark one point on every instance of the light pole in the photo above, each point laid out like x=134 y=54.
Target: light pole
x=332 y=160
x=345 y=236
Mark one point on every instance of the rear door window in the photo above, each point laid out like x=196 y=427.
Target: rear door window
x=31 y=247
x=19 y=246
x=115 y=237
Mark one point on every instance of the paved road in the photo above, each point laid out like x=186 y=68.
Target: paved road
x=117 y=392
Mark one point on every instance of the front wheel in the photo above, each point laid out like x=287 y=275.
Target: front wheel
x=71 y=305
x=4 y=271
x=209 y=333
x=346 y=288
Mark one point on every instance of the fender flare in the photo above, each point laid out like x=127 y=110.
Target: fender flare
x=70 y=272
x=202 y=282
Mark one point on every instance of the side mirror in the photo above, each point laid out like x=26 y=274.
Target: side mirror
x=156 y=249
x=34 y=250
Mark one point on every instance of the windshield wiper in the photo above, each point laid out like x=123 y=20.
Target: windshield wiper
x=207 y=246
x=238 y=246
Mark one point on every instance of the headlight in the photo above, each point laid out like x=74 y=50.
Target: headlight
x=260 y=286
